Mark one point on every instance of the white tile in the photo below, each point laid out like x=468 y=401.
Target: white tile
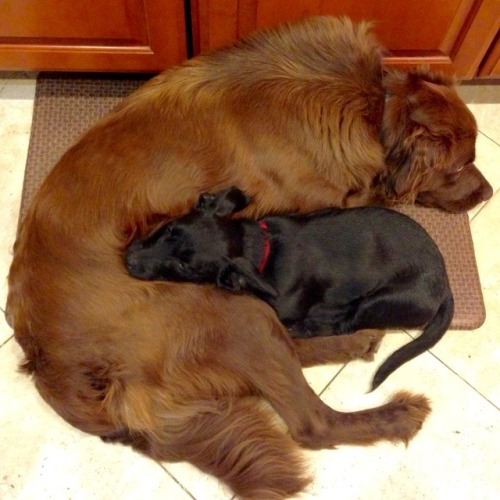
x=318 y=377
x=4 y=77
x=484 y=102
x=487 y=160
x=15 y=126
x=18 y=86
x=202 y=486
x=43 y=457
x=475 y=355
x=455 y=454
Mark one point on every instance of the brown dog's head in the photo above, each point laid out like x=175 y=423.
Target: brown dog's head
x=429 y=135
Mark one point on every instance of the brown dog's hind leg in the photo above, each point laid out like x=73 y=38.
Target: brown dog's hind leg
x=269 y=362
x=362 y=344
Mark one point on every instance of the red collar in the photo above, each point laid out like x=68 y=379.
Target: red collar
x=267 y=246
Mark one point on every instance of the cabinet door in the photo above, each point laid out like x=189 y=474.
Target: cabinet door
x=449 y=35
x=490 y=67
x=110 y=35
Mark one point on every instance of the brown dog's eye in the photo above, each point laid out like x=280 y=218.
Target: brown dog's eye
x=461 y=167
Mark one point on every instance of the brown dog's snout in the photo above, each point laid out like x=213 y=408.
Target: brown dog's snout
x=9 y=318
x=487 y=192
x=479 y=184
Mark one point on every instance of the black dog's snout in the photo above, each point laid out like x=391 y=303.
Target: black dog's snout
x=134 y=246
x=133 y=262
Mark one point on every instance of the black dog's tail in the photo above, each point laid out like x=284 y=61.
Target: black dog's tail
x=432 y=333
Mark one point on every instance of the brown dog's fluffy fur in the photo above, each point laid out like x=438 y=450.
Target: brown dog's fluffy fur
x=294 y=117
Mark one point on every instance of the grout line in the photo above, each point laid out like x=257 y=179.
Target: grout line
x=458 y=375
x=342 y=368
x=496 y=192
x=334 y=377
x=176 y=480
x=5 y=81
x=5 y=341
x=488 y=137
x=408 y=333
x=8 y=338
x=464 y=380
x=478 y=212
x=483 y=207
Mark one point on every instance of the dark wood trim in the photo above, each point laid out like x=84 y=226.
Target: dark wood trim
x=490 y=67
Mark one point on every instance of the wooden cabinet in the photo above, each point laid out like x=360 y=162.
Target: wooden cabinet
x=455 y=36
x=449 y=35
x=107 y=35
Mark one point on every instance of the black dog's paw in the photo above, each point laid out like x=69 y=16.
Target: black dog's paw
x=224 y=203
x=230 y=278
x=239 y=275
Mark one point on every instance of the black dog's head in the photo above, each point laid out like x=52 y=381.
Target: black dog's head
x=191 y=248
x=199 y=247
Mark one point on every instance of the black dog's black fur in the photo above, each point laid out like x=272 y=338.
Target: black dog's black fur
x=331 y=272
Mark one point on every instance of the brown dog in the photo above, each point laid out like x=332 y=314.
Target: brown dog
x=298 y=118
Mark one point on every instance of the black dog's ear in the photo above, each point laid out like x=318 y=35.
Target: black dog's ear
x=206 y=202
x=224 y=203
x=237 y=275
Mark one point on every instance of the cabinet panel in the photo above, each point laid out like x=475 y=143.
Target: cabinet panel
x=396 y=22
x=450 y=35
x=109 y=35
x=56 y=22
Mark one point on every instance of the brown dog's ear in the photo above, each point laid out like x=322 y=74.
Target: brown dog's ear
x=416 y=133
x=420 y=157
x=224 y=203
x=405 y=84
x=237 y=275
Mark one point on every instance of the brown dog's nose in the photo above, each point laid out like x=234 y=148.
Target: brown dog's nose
x=9 y=318
x=487 y=192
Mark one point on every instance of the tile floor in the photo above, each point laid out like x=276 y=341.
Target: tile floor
x=456 y=454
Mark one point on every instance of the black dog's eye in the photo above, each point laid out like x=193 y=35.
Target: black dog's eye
x=171 y=231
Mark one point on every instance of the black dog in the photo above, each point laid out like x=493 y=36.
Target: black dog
x=327 y=273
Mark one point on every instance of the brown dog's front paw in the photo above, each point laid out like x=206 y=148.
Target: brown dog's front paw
x=365 y=344
x=398 y=420
x=405 y=414
x=362 y=344
x=372 y=339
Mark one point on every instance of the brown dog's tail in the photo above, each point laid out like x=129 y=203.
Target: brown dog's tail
x=241 y=445
x=431 y=334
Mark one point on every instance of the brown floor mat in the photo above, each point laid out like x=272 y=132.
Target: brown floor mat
x=66 y=106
